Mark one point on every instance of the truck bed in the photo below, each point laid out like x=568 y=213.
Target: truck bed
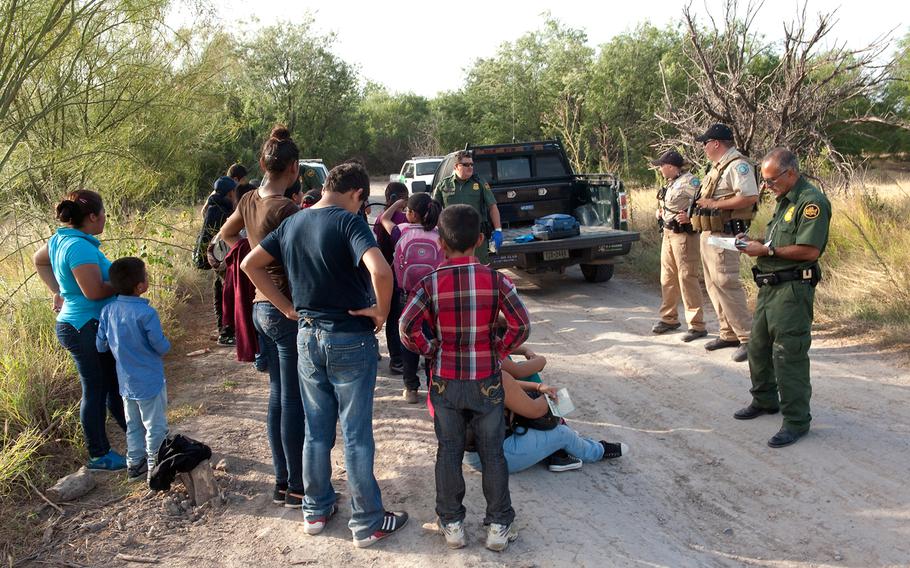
x=595 y=245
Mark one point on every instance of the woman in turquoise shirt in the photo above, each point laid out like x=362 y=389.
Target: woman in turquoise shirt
x=76 y=271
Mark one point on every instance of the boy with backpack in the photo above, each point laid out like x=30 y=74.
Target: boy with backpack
x=130 y=329
x=459 y=303
x=416 y=253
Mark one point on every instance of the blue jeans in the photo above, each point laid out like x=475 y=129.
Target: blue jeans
x=480 y=404
x=286 y=418
x=146 y=427
x=337 y=378
x=524 y=450
x=98 y=375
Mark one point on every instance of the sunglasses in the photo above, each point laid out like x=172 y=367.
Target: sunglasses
x=772 y=181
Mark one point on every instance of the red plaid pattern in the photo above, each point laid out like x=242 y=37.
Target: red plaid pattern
x=460 y=303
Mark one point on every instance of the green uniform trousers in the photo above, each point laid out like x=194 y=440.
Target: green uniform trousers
x=779 y=351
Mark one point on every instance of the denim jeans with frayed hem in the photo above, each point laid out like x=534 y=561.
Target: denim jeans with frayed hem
x=146 y=427
x=480 y=404
x=528 y=447
x=98 y=375
x=337 y=378
x=285 y=422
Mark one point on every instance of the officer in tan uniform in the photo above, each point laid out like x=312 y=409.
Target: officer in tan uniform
x=678 y=249
x=729 y=196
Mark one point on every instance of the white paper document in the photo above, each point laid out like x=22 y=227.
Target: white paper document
x=727 y=243
x=564 y=406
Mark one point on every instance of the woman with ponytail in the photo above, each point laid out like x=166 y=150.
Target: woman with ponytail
x=260 y=211
x=73 y=267
x=417 y=254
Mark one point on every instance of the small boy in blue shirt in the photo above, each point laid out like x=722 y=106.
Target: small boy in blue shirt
x=130 y=328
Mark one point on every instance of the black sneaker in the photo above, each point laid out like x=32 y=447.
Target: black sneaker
x=227 y=340
x=391 y=523
x=138 y=471
x=279 y=494
x=293 y=500
x=560 y=460
x=613 y=450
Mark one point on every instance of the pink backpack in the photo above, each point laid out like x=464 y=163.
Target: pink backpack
x=417 y=254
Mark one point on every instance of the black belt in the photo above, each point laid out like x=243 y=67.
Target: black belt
x=811 y=275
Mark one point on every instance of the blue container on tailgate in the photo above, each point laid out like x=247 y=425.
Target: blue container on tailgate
x=556 y=226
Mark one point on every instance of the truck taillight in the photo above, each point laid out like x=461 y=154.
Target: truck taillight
x=623 y=207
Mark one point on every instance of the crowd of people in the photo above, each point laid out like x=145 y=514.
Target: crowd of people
x=303 y=285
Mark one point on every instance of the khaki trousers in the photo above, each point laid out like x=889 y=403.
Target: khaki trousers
x=725 y=290
x=679 y=279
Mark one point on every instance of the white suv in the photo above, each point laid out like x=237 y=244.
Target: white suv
x=419 y=168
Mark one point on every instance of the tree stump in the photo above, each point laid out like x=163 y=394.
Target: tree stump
x=72 y=486
x=200 y=483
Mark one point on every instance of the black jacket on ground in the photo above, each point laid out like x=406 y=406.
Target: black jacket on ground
x=177 y=454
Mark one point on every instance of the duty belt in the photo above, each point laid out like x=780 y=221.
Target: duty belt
x=811 y=275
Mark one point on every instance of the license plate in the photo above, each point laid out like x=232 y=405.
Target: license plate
x=555 y=254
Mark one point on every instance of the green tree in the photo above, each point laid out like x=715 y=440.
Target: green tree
x=389 y=123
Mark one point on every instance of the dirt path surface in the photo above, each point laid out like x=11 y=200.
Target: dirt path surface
x=698 y=488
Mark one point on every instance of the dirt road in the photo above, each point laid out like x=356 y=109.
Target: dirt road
x=698 y=488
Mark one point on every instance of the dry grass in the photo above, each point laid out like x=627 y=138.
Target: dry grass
x=865 y=291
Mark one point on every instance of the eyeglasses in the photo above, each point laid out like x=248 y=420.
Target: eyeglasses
x=772 y=181
x=466 y=164
x=706 y=142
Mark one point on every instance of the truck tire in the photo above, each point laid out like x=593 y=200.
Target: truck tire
x=597 y=272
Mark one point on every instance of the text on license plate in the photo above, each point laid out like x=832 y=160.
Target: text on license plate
x=555 y=254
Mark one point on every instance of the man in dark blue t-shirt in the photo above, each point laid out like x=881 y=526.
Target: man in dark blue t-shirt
x=334 y=267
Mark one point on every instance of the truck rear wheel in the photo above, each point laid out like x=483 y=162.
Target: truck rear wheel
x=597 y=272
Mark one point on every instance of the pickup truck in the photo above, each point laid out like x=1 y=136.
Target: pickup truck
x=534 y=179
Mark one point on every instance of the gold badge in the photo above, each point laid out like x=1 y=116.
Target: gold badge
x=811 y=211
x=310 y=173
x=788 y=216
x=475 y=187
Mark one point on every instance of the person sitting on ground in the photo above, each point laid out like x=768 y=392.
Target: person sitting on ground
x=394 y=192
x=131 y=329
x=525 y=446
x=459 y=304
x=416 y=254
x=260 y=212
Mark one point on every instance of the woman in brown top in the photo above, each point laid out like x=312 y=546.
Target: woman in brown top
x=260 y=212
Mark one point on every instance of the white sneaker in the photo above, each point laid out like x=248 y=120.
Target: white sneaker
x=316 y=525
x=499 y=536
x=454 y=533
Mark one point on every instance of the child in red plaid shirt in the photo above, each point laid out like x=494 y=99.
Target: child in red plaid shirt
x=460 y=303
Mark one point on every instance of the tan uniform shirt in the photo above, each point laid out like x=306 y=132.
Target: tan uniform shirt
x=737 y=179
x=679 y=195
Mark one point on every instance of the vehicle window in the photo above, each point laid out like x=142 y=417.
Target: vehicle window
x=322 y=173
x=513 y=168
x=549 y=165
x=483 y=169
x=427 y=168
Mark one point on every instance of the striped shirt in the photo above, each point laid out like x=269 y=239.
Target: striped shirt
x=460 y=303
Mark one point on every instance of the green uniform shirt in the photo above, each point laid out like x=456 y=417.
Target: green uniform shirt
x=473 y=191
x=309 y=179
x=802 y=217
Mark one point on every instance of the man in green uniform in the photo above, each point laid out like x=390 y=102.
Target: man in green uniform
x=786 y=271
x=309 y=179
x=463 y=186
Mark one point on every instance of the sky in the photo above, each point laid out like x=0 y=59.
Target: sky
x=425 y=47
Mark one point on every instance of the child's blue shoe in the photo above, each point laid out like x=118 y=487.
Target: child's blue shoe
x=111 y=461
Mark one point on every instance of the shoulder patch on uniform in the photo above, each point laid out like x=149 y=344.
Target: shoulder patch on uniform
x=742 y=169
x=310 y=173
x=811 y=211
x=695 y=182
x=486 y=186
x=476 y=186
x=788 y=216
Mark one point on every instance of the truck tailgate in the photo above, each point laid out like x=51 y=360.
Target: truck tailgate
x=592 y=245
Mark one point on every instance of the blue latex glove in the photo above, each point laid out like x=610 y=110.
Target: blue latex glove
x=497 y=238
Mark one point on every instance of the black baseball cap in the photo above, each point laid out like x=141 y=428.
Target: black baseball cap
x=717 y=131
x=671 y=157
